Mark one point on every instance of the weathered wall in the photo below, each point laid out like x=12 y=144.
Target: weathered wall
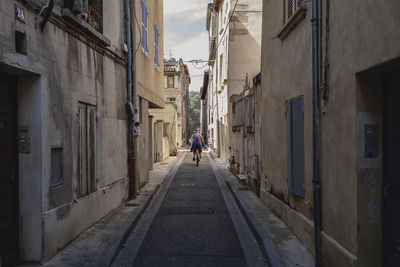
x=150 y=77
x=149 y=81
x=240 y=52
x=67 y=71
x=169 y=116
x=360 y=32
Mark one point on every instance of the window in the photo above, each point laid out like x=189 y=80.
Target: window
x=93 y=11
x=156 y=35
x=170 y=82
x=145 y=14
x=295 y=145
x=166 y=129
x=57 y=159
x=291 y=7
x=86 y=150
x=171 y=99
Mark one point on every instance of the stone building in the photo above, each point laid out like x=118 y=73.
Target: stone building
x=170 y=123
x=204 y=107
x=235 y=49
x=358 y=128
x=148 y=67
x=246 y=131
x=63 y=119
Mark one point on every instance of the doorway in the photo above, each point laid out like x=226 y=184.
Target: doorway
x=8 y=171
x=391 y=171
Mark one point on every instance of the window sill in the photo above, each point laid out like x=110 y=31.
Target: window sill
x=295 y=20
x=83 y=26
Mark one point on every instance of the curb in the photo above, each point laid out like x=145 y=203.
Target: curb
x=262 y=236
x=111 y=251
x=132 y=244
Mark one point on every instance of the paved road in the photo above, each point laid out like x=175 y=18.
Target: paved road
x=192 y=227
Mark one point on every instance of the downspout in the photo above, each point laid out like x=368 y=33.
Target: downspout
x=316 y=74
x=216 y=91
x=129 y=105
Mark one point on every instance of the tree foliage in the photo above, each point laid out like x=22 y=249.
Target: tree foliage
x=194 y=111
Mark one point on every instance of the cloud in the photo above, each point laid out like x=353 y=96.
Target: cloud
x=185 y=9
x=185 y=34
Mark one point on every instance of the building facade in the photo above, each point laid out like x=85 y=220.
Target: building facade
x=148 y=76
x=235 y=50
x=204 y=107
x=174 y=117
x=63 y=123
x=357 y=127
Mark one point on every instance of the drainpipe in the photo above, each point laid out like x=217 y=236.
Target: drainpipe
x=129 y=104
x=216 y=93
x=316 y=73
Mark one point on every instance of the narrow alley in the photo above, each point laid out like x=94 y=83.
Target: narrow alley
x=194 y=225
x=294 y=103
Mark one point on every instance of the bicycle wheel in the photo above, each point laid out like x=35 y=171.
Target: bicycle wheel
x=197 y=160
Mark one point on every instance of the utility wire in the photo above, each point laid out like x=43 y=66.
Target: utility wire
x=227 y=25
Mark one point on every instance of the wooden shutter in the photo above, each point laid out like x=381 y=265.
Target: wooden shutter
x=86 y=176
x=82 y=153
x=295 y=145
x=176 y=81
x=91 y=154
x=165 y=82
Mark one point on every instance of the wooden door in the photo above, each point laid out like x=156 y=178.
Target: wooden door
x=8 y=171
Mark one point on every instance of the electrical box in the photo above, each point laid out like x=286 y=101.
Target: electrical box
x=371 y=141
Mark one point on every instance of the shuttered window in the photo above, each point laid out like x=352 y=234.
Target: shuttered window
x=291 y=7
x=295 y=145
x=86 y=177
x=145 y=14
x=156 y=37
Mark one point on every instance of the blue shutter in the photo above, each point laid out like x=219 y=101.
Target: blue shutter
x=145 y=22
x=156 y=34
x=296 y=168
x=143 y=19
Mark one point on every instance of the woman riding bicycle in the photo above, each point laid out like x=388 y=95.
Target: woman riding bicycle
x=197 y=141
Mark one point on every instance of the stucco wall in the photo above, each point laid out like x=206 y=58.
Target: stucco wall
x=149 y=77
x=58 y=72
x=362 y=35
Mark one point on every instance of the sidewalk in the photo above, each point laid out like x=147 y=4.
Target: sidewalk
x=97 y=245
x=280 y=244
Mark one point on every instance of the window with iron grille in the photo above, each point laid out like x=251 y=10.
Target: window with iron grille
x=291 y=8
x=145 y=14
x=86 y=177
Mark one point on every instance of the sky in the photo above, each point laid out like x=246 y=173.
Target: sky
x=185 y=35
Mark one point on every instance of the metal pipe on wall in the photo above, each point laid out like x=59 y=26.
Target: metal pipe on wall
x=129 y=104
x=316 y=74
